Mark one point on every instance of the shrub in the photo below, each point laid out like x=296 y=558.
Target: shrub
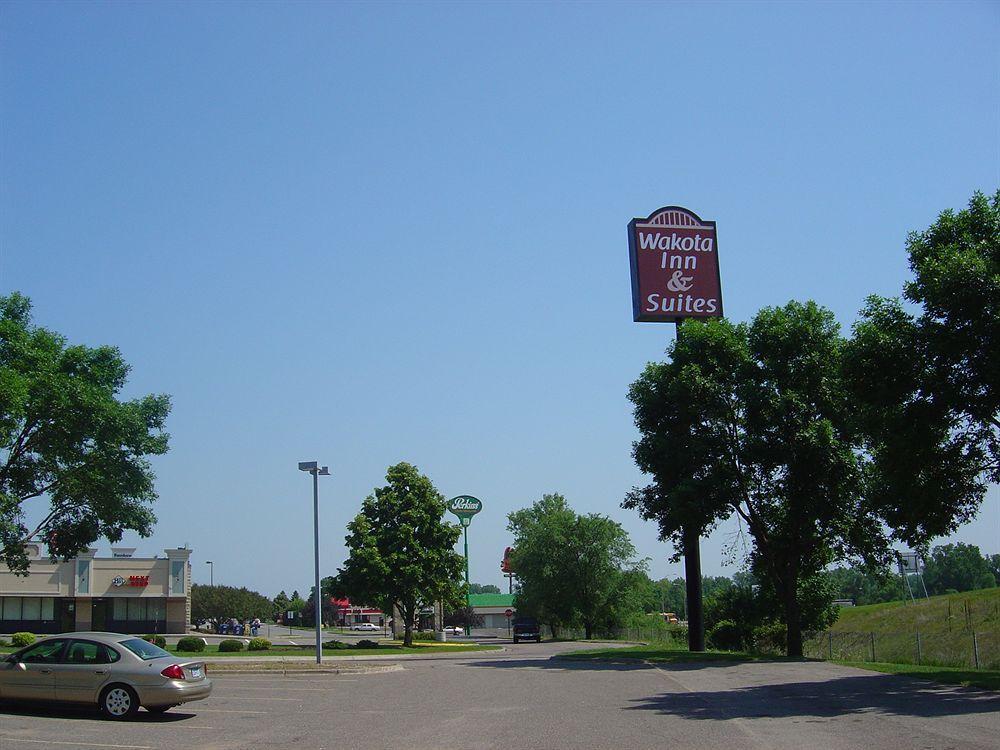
x=258 y=644
x=726 y=635
x=156 y=640
x=770 y=638
x=366 y=644
x=423 y=635
x=3 y=643
x=230 y=644
x=191 y=643
x=334 y=645
x=20 y=640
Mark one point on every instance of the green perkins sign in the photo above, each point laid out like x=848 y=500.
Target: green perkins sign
x=465 y=507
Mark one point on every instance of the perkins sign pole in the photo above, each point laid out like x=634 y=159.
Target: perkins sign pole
x=673 y=257
x=465 y=507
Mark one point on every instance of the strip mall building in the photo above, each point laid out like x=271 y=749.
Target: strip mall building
x=121 y=593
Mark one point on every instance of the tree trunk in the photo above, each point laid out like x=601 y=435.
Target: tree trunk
x=793 y=619
x=588 y=630
x=407 y=613
x=555 y=630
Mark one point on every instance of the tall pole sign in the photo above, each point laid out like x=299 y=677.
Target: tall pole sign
x=465 y=507
x=674 y=260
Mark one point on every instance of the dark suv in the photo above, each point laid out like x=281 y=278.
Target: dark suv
x=527 y=629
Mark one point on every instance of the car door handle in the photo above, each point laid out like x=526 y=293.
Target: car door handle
x=100 y=671
x=45 y=671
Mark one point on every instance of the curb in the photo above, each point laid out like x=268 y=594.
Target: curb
x=255 y=668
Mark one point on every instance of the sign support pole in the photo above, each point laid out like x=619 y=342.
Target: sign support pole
x=468 y=596
x=692 y=576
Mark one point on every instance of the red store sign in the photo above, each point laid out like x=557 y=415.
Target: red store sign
x=674 y=260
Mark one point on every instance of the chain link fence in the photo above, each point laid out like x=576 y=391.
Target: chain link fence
x=970 y=649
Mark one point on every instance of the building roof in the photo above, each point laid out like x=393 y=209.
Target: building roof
x=491 y=600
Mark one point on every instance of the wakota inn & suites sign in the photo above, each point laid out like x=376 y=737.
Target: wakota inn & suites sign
x=674 y=259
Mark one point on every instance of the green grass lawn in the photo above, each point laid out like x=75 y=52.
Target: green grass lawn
x=945 y=625
x=948 y=613
x=989 y=680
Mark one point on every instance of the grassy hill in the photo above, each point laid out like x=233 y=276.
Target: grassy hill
x=949 y=613
x=955 y=630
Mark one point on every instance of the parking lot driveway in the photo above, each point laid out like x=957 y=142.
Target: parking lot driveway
x=522 y=698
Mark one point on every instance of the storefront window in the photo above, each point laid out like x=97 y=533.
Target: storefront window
x=157 y=610
x=31 y=608
x=27 y=608
x=11 y=608
x=136 y=609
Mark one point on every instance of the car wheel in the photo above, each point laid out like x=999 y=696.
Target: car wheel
x=515 y=640
x=119 y=702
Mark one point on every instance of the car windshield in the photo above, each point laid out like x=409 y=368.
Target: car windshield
x=144 y=649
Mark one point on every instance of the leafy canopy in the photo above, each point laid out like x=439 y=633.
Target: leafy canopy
x=754 y=420
x=67 y=440
x=927 y=385
x=574 y=569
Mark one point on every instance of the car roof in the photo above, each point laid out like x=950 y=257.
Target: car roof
x=89 y=635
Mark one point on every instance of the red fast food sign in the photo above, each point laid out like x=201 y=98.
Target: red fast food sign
x=138 y=581
x=674 y=258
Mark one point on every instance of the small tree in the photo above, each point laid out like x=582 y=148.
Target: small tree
x=65 y=438
x=573 y=569
x=401 y=550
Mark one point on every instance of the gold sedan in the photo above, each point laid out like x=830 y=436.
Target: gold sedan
x=116 y=672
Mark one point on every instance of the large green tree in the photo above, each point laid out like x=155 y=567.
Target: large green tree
x=401 y=550
x=926 y=385
x=73 y=457
x=754 y=420
x=574 y=568
x=217 y=603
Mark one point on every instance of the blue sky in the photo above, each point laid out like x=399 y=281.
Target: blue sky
x=367 y=233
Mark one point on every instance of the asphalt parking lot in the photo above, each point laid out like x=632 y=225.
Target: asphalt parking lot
x=520 y=698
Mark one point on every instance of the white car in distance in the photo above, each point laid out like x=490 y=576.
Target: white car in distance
x=366 y=626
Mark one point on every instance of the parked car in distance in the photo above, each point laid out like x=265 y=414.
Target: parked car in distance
x=526 y=629
x=454 y=630
x=116 y=672
x=366 y=626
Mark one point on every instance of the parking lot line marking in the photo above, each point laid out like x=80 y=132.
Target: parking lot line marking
x=77 y=744
x=272 y=689
x=255 y=698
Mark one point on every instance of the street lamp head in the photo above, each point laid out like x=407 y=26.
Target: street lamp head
x=325 y=471
x=307 y=465
x=208 y=562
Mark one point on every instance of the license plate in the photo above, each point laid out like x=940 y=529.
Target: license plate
x=196 y=673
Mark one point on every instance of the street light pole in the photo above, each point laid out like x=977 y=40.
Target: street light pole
x=313 y=468
x=211 y=572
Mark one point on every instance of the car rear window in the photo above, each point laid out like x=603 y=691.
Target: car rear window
x=144 y=649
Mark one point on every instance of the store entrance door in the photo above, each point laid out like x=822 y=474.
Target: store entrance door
x=99 y=614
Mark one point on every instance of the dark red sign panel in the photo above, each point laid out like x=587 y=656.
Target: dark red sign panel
x=674 y=256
